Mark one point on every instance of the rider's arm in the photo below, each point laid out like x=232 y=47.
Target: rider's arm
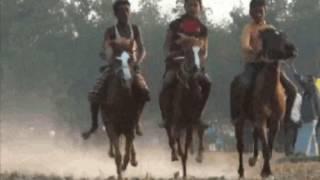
x=247 y=50
x=167 y=42
x=107 y=45
x=204 y=45
x=141 y=54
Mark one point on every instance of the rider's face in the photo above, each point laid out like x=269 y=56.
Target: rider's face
x=123 y=13
x=258 y=14
x=193 y=8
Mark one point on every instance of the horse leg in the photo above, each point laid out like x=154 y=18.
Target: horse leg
x=273 y=129
x=200 y=131
x=133 y=159
x=115 y=140
x=239 y=134
x=128 y=147
x=111 y=148
x=262 y=130
x=174 y=156
x=185 y=154
x=253 y=160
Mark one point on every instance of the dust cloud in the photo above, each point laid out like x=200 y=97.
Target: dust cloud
x=39 y=146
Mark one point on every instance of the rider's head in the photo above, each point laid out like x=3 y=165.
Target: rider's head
x=193 y=8
x=258 y=10
x=121 y=9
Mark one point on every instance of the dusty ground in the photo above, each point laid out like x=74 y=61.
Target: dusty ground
x=30 y=154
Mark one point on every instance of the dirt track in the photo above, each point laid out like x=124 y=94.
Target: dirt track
x=30 y=153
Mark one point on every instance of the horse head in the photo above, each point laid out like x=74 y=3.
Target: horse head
x=190 y=65
x=124 y=74
x=275 y=45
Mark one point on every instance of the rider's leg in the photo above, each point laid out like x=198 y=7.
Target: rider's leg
x=143 y=96
x=96 y=96
x=291 y=92
x=205 y=84
x=166 y=93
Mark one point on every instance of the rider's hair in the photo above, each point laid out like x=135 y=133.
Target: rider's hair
x=257 y=3
x=118 y=3
x=200 y=2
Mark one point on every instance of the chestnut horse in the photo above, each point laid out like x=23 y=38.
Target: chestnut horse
x=265 y=105
x=184 y=120
x=119 y=113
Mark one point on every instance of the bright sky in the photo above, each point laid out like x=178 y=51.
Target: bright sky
x=220 y=8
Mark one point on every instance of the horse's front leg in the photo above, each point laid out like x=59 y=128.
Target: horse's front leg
x=274 y=127
x=128 y=149
x=240 y=145
x=115 y=141
x=263 y=135
x=253 y=160
x=188 y=142
x=133 y=159
x=172 y=143
x=200 y=132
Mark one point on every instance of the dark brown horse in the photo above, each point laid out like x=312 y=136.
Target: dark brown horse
x=186 y=113
x=266 y=105
x=119 y=113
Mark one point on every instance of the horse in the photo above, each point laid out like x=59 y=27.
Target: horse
x=266 y=106
x=120 y=112
x=186 y=113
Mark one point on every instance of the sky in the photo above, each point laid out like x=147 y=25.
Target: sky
x=220 y=8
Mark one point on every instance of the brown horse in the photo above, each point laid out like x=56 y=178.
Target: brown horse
x=186 y=113
x=120 y=112
x=266 y=105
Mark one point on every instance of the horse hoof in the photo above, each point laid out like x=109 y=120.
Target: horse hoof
x=174 y=158
x=199 y=159
x=85 y=135
x=270 y=177
x=111 y=155
x=134 y=163
x=252 y=161
x=124 y=167
x=267 y=176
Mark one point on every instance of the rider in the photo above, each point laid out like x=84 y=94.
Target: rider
x=251 y=47
x=187 y=28
x=127 y=36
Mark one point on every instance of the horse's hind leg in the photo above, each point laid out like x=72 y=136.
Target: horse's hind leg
x=200 y=131
x=253 y=160
x=128 y=147
x=273 y=129
x=185 y=153
x=133 y=159
x=239 y=134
